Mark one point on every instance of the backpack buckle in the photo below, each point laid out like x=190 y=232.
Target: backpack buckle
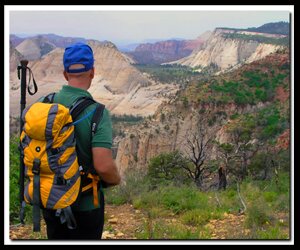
x=60 y=180
x=36 y=166
x=55 y=151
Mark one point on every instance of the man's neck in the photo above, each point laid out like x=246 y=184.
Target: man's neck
x=78 y=85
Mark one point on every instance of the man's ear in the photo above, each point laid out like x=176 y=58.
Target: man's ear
x=92 y=74
x=66 y=75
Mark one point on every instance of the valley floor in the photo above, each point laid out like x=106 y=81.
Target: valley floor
x=123 y=222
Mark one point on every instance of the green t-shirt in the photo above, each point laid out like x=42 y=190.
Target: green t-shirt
x=102 y=138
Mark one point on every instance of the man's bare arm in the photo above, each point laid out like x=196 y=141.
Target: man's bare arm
x=105 y=166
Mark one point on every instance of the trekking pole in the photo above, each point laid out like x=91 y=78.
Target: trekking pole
x=23 y=67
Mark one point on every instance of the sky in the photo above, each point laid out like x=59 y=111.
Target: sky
x=137 y=25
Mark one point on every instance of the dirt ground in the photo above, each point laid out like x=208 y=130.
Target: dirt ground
x=123 y=222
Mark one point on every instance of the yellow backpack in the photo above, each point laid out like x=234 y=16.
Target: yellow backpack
x=48 y=149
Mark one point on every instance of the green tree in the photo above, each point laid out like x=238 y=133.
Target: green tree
x=244 y=146
x=168 y=167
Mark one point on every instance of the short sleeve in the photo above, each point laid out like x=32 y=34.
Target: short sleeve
x=103 y=135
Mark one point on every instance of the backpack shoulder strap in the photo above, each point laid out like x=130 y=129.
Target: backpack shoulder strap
x=79 y=105
x=49 y=98
x=97 y=117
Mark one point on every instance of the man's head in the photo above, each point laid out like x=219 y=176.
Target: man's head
x=78 y=62
x=79 y=54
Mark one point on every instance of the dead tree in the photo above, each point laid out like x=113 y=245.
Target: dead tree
x=197 y=144
x=222 y=178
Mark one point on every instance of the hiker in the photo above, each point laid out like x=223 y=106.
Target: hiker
x=93 y=150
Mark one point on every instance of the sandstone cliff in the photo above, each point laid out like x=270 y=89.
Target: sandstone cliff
x=35 y=48
x=226 y=53
x=113 y=66
x=158 y=135
x=117 y=84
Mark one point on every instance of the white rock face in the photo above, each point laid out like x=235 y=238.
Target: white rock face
x=226 y=52
x=117 y=84
x=34 y=48
x=141 y=100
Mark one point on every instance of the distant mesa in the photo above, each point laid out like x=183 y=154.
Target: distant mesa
x=279 y=28
x=166 y=51
x=229 y=48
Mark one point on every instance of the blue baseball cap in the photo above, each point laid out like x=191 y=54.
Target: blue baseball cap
x=78 y=53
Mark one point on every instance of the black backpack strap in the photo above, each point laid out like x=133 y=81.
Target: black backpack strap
x=49 y=98
x=79 y=105
x=97 y=117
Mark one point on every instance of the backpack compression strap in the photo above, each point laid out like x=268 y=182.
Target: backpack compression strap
x=36 y=195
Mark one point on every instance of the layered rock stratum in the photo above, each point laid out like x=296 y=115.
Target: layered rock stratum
x=227 y=53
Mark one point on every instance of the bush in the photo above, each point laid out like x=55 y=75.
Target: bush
x=260 y=165
x=258 y=214
x=270 y=196
x=282 y=203
x=275 y=194
x=198 y=217
x=134 y=185
x=271 y=122
x=14 y=179
x=229 y=201
x=168 y=167
x=273 y=233
x=180 y=199
x=283 y=184
x=250 y=191
x=148 y=200
x=116 y=196
x=14 y=187
x=160 y=230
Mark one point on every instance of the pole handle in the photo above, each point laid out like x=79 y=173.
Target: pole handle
x=24 y=63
